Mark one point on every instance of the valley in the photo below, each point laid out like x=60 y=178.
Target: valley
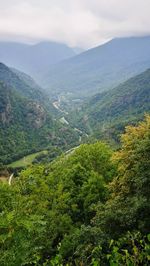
x=66 y=106
x=75 y=154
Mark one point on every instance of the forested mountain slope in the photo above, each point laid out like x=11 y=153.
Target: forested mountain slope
x=25 y=85
x=17 y=81
x=27 y=79
x=100 y=68
x=108 y=112
x=26 y=126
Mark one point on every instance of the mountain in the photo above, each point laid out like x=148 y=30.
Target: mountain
x=26 y=123
x=34 y=59
x=100 y=68
x=20 y=82
x=25 y=85
x=106 y=114
x=30 y=89
x=26 y=79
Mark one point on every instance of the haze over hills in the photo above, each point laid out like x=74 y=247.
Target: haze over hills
x=34 y=59
x=100 y=68
x=107 y=113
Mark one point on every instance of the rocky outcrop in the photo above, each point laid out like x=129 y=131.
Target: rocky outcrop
x=5 y=116
x=5 y=110
x=36 y=115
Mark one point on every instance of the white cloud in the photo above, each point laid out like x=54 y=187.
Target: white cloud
x=83 y=23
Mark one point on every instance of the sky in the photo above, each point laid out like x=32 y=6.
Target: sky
x=77 y=23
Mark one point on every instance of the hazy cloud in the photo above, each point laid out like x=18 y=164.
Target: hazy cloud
x=83 y=23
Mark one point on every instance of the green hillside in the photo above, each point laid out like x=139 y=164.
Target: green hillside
x=27 y=86
x=26 y=125
x=106 y=114
x=10 y=78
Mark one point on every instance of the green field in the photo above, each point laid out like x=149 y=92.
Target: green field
x=26 y=160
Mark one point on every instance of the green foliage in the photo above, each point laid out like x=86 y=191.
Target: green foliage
x=19 y=231
x=130 y=250
x=60 y=198
x=129 y=204
x=88 y=207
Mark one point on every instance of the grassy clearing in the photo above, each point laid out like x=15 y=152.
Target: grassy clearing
x=3 y=179
x=26 y=160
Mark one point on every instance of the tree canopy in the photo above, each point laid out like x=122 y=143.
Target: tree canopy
x=88 y=207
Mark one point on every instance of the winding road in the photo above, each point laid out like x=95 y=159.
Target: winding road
x=56 y=104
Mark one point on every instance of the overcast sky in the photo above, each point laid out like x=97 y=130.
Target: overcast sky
x=78 y=23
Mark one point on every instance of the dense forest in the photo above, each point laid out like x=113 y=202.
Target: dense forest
x=88 y=207
x=27 y=124
x=26 y=127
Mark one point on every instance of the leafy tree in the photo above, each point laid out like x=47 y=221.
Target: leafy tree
x=129 y=205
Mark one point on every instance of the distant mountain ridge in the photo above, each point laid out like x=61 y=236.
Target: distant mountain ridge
x=34 y=59
x=100 y=68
